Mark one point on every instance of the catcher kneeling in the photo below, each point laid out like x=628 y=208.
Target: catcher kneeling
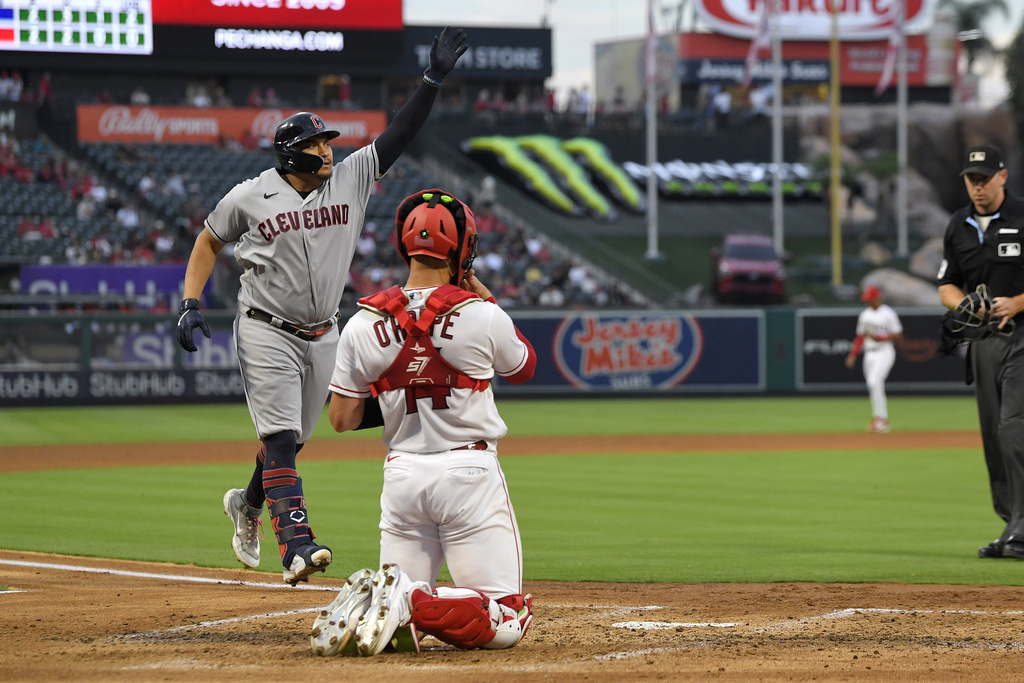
x=427 y=353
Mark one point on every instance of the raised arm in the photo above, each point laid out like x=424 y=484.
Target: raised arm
x=444 y=53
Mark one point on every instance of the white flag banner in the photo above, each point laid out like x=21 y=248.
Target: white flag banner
x=760 y=41
x=650 y=48
x=896 y=13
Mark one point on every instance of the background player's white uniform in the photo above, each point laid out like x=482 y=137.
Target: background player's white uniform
x=439 y=486
x=296 y=253
x=878 y=326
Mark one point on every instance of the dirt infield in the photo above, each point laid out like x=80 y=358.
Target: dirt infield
x=66 y=618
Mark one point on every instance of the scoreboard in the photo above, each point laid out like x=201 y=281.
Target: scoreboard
x=228 y=35
x=86 y=26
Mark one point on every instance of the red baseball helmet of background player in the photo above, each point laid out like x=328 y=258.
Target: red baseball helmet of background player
x=871 y=293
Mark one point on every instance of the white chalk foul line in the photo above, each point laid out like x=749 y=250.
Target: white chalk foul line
x=219 y=622
x=836 y=614
x=851 y=611
x=166 y=577
x=665 y=625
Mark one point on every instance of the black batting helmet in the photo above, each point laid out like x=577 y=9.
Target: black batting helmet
x=290 y=135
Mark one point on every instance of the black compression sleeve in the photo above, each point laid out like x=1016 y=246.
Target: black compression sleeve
x=372 y=415
x=403 y=128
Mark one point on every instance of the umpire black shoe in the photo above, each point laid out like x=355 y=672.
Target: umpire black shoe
x=1014 y=549
x=993 y=550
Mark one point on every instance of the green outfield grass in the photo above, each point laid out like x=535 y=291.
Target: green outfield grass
x=848 y=516
x=739 y=415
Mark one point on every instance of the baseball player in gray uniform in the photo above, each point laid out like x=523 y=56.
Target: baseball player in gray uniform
x=429 y=350
x=294 y=230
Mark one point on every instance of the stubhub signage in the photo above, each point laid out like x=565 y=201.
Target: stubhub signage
x=127 y=280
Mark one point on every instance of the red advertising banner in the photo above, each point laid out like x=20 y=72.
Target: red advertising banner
x=116 y=123
x=323 y=14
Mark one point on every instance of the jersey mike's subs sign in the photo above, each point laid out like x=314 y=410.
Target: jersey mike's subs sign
x=334 y=14
x=812 y=19
x=191 y=125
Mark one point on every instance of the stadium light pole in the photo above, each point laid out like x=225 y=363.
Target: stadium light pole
x=651 y=81
x=901 y=134
x=779 y=230
x=837 y=241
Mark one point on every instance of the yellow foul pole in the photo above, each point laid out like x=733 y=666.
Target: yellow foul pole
x=837 y=237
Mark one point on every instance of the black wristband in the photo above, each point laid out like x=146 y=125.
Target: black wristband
x=187 y=304
x=432 y=79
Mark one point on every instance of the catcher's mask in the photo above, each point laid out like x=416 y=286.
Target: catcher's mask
x=436 y=223
x=290 y=136
x=974 y=310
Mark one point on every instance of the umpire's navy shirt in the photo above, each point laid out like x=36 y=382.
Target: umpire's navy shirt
x=994 y=257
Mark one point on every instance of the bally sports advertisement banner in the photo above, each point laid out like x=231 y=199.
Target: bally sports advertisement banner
x=191 y=125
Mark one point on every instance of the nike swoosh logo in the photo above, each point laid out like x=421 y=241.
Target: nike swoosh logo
x=390 y=458
x=267 y=195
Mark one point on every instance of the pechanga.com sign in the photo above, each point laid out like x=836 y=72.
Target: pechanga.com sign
x=812 y=19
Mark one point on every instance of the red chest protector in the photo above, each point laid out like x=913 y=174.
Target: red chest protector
x=418 y=363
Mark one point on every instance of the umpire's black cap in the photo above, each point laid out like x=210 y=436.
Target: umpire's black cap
x=983 y=159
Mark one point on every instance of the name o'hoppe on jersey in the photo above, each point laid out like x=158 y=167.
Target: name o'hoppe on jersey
x=310 y=219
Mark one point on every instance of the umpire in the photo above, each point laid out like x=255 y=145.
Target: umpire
x=982 y=251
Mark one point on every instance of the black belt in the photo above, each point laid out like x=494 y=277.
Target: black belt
x=476 y=446
x=304 y=333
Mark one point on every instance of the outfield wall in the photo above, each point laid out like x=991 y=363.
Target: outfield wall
x=127 y=359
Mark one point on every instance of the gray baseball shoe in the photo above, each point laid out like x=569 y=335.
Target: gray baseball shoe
x=248 y=528
x=336 y=624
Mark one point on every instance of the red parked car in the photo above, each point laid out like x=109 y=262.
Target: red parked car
x=747 y=268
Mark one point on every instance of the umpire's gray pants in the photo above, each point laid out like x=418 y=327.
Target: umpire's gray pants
x=998 y=365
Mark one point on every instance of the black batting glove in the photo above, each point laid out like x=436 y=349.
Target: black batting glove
x=190 y=319
x=444 y=52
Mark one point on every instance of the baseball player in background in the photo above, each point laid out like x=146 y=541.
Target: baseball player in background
x=428 y=350
x=294 y=229
x=878 y=330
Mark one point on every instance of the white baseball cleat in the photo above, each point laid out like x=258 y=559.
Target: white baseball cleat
x=879 y=424
x=336 y=624
x=388 y=610
x=248 y=528
x=308 y=560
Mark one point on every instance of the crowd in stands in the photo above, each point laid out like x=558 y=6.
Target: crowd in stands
x=98 y=220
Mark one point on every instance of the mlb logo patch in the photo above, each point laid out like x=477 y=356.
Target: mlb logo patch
x=1009 y=249
x=977 y=156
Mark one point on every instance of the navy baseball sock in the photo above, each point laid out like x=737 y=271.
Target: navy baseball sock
x=254 y=495
x=283 y=489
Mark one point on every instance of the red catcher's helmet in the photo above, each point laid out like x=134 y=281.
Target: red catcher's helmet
x=436 y=223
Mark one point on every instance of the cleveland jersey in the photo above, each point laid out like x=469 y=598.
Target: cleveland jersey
x=296 y=251
x=476 y=337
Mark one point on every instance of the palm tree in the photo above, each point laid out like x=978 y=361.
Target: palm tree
x=968 y=16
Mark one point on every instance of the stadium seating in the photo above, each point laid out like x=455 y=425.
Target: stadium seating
x=189 y=180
